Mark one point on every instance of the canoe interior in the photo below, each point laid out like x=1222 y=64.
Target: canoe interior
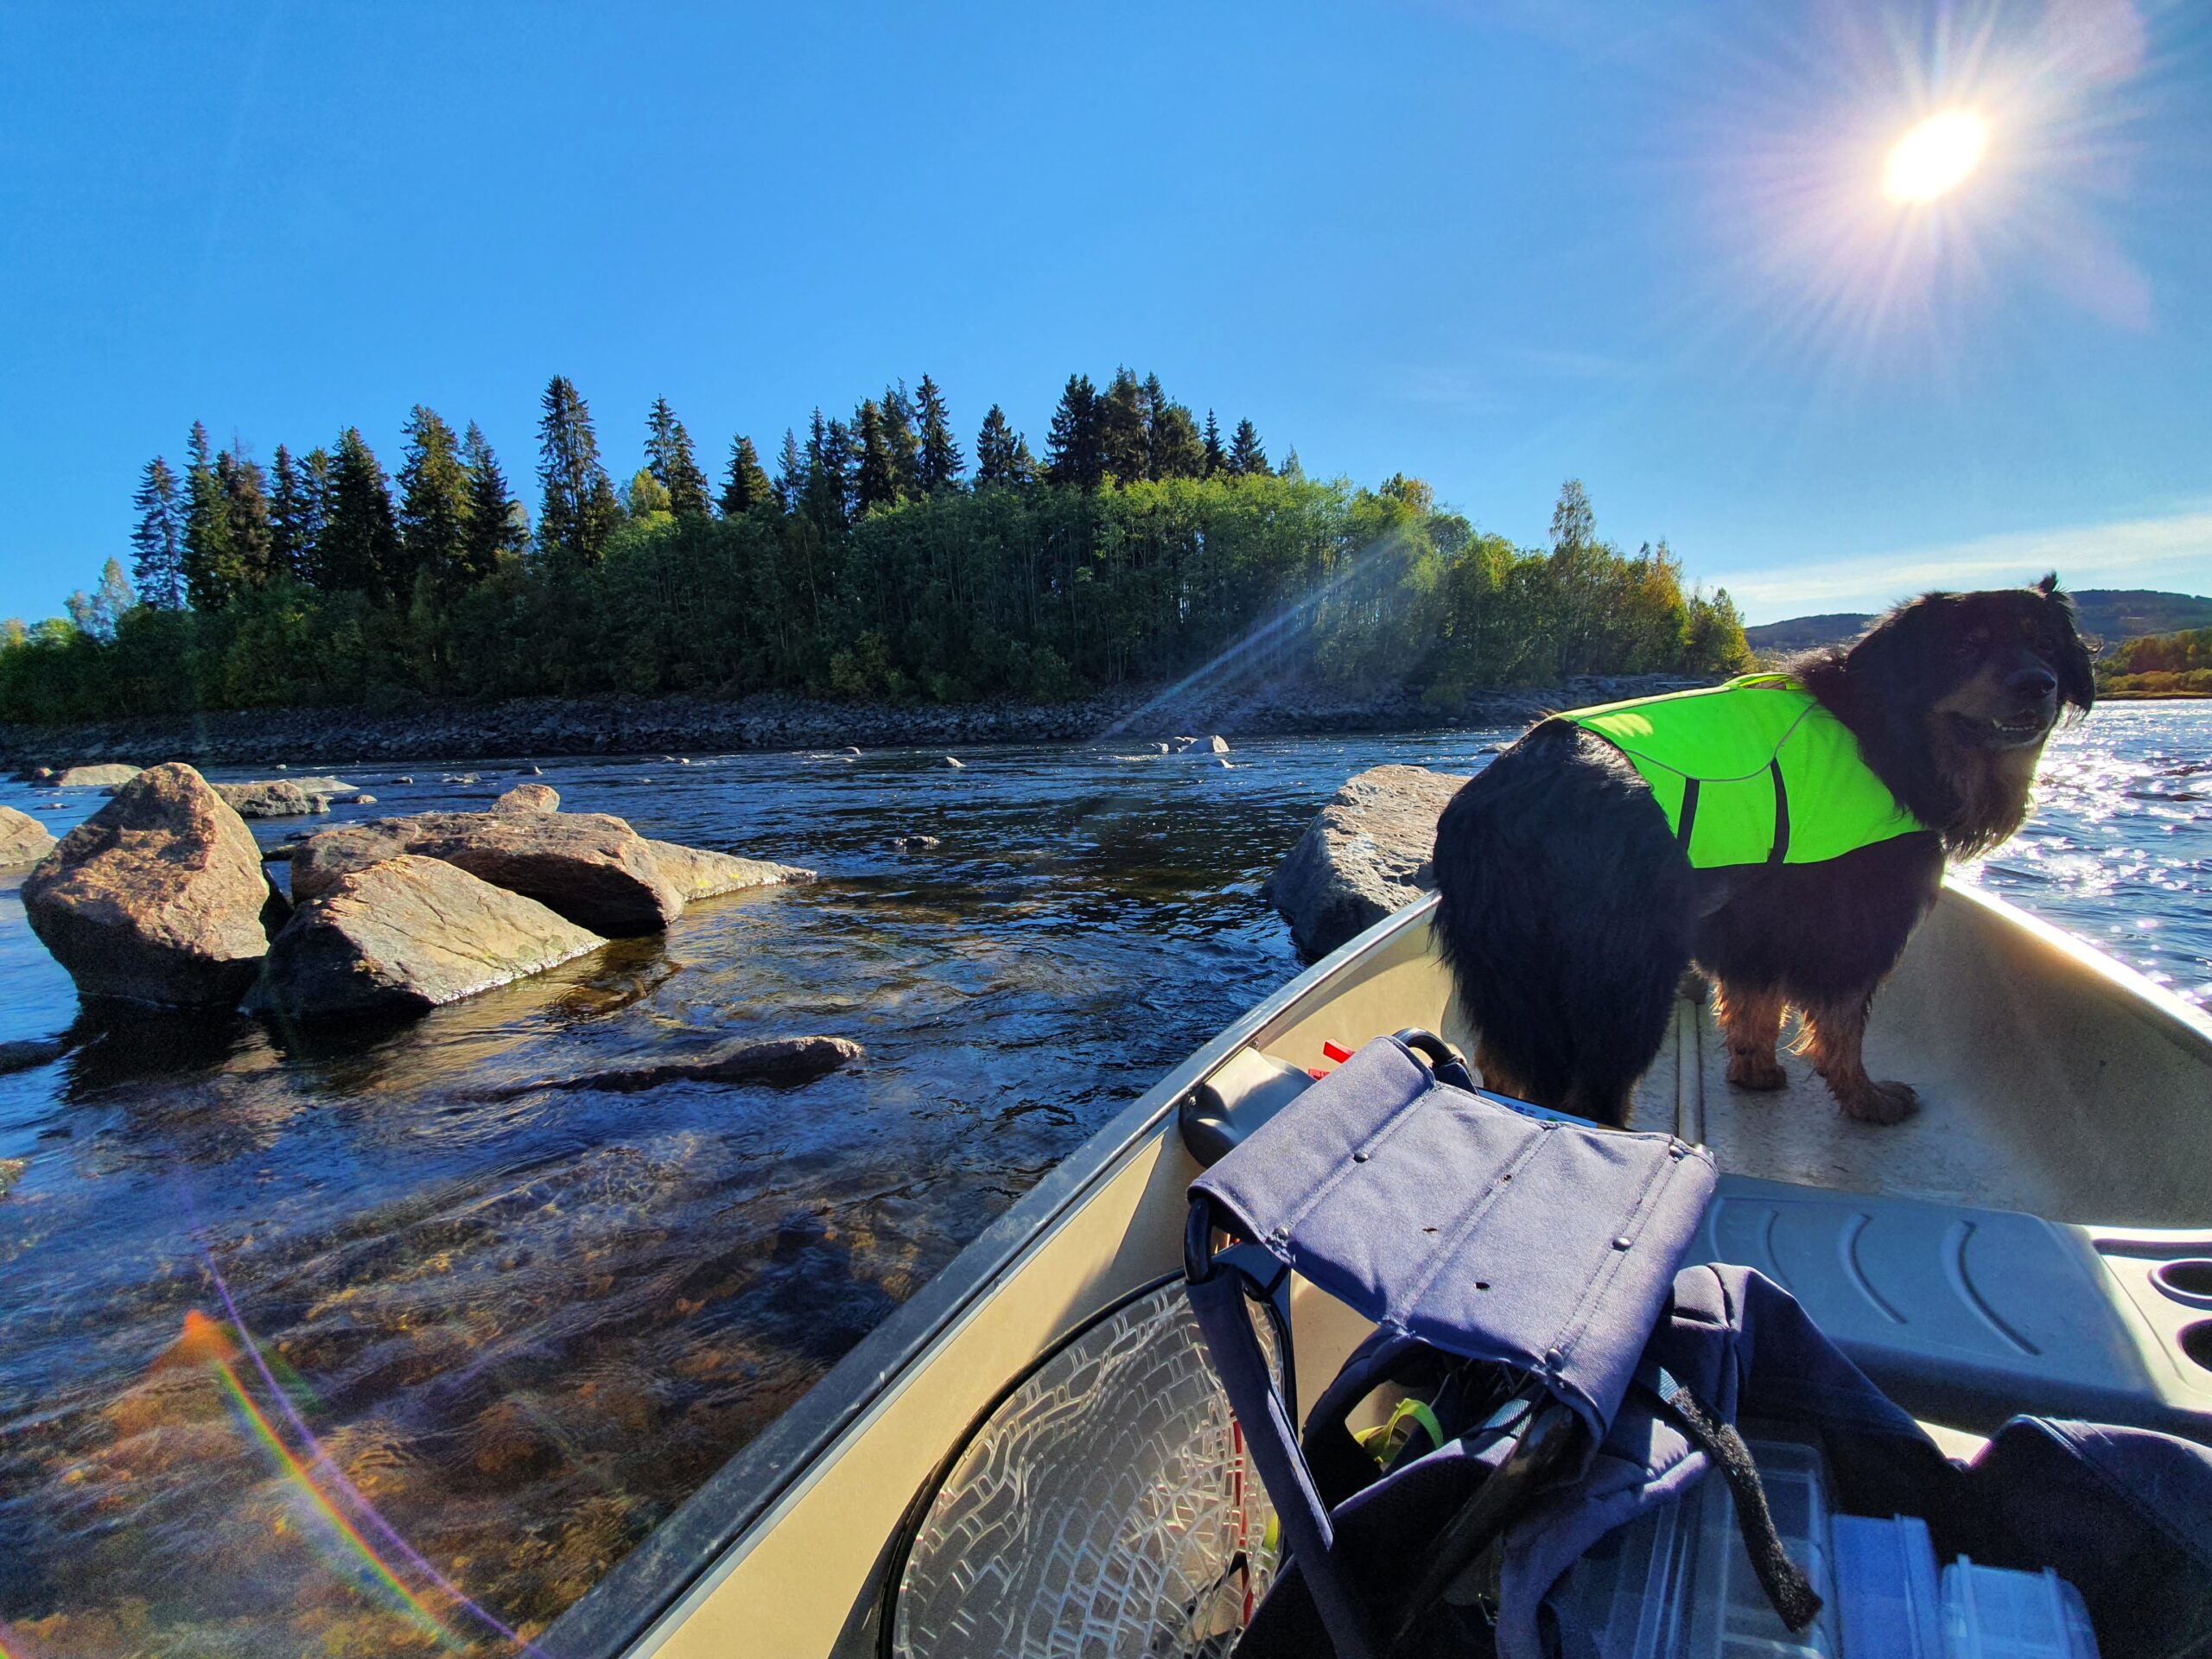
x=2052 y=1082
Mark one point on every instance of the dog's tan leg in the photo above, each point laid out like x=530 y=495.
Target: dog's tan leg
x=1834 y=1037
x=1752 y=1020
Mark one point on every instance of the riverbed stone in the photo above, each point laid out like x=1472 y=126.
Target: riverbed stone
x=698 y=874
x=593 y=868
x=1365 y=856
x=23 y=839
x=529 y=797
x=156 y=897
x=102 y=777
x=275 y=797
x=782 y=1061
x=406 y=934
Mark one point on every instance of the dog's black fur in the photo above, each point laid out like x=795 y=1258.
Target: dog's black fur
x=1567 y=912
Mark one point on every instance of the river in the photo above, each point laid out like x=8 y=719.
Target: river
x=302 y=1345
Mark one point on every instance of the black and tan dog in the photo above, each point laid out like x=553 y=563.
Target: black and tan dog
x=1569 y=906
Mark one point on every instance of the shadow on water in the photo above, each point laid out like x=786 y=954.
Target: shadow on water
x=311 y=1348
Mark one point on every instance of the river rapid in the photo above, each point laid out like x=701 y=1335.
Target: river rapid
x=307 y=1351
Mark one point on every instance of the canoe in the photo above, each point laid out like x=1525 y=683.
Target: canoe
x=2038 y=1237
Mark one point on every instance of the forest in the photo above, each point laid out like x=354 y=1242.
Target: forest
x=2158 y=665
x=876 y=563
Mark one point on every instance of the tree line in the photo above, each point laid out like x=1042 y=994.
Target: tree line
x=2158 y=665
x=876 y=563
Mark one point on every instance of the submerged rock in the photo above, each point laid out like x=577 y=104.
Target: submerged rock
x=956 y=764
x=594 y=869
x=95 y=777
x=26 y=1052
x=697 y=874
x=1366 y=856
x=913 y=844
x=409 y=933
x=529 y=797
x=156 y=897
x=23 y=839
x=272 y=798
x=11 y=1170
x=784 y=1062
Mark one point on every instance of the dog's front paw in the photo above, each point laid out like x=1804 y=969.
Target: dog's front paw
x=1880 y=1103
x=1757 y=1071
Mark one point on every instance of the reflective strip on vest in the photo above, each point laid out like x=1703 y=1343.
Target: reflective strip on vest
x=1754 y=772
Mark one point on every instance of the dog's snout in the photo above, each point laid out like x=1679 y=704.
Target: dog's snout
x=2033 y=684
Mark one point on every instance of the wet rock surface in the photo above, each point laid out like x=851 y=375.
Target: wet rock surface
x=529 y=797
x=95 y=777
x=1365 y=856
x=407 y=934
x=696 y=873
x=782 y=1062
x=158 y=896
x=277 y=797
x=23 y=839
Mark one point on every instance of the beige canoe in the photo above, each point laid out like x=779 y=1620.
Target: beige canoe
x=2055 y=1084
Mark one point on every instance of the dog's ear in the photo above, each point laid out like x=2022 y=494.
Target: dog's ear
x=2077 y=681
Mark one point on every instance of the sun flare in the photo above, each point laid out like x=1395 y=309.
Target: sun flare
x=1936 y=157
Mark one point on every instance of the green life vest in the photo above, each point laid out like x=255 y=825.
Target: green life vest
x=1754 y=772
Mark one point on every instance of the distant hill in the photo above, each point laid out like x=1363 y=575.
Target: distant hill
x=2111 y=613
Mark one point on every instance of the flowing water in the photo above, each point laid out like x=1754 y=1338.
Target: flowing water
x=307 y=1351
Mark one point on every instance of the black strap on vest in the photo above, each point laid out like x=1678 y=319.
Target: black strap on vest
x=1788 y=1589
x=1780 y=849
x=1688 y=816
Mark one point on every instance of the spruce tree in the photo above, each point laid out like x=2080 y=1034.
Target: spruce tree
x=791 y=473
x=747 y=486
x=580 y=510
x=1073 y=457
x=1246 y=458
x=245 y=499
x=317 y=473
x=492 y=535
x=1121 y=427
x=897 y=413
x=287 y=513
x=876 y=481
x=208 y=558
x=1213 y=457
x=1175 y=450
x=1000 y=454
x=360 y=548
x=828 y=466
x=433 y=507
x=157 y=543
x=940 y=458
x=671 y=460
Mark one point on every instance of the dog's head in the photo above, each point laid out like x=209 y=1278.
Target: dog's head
x=1953 y=696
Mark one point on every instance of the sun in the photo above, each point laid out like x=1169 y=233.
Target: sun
x=1936 y=157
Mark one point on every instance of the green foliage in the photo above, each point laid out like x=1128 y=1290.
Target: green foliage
x=158 y=541
x=358 y=549
x=434 y=508
x=578 y=511
x=1246 y=456
x=747 y=485
x=675 y=468
x=939 y=461
x=498 y=528
x=2159 y=666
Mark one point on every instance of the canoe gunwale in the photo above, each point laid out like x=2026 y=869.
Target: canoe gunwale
x=653 y=1588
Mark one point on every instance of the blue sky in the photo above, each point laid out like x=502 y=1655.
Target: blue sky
x=1492 y=245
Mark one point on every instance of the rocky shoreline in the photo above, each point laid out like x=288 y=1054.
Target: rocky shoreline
x=622 y=725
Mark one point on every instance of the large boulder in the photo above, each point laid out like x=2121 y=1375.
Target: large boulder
x=156 y=897
x=407 y=934
x=23 y=839
x=95 y=777
x=1366 y=856
x=277 y=797
x=592 y=868
x=697 y=874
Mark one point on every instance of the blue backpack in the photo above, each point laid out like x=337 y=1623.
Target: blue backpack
x=1563 y=1372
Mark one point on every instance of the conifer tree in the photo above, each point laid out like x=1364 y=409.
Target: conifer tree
x=1073 y=457
x=940 y=459
x=829 y=469
x=580 y=510
x=317 y=472
x=1002 y=455
x=1214 y=458
x=897 y=414
x=1292 y=467
x=1174 y=450
x=1246 y=458
x=675 y=468
x=359 y=547
x=245 y=499
x=1121 y=427
x=208 y=557
x=791 y=473
x=493 y=534
x=433 y=507
x=157 y=543
x=876 y=483
x=747 y=486
x=287 y=516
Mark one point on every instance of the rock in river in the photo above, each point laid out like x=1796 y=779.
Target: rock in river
x=278 y=797
x=156 y=897
x=1364 y=856
x=592 y=868
x=529 y=797
x=697 y=874
x=783 y=1061
x=95 y=777
x=409 y=933
x=23 y=839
